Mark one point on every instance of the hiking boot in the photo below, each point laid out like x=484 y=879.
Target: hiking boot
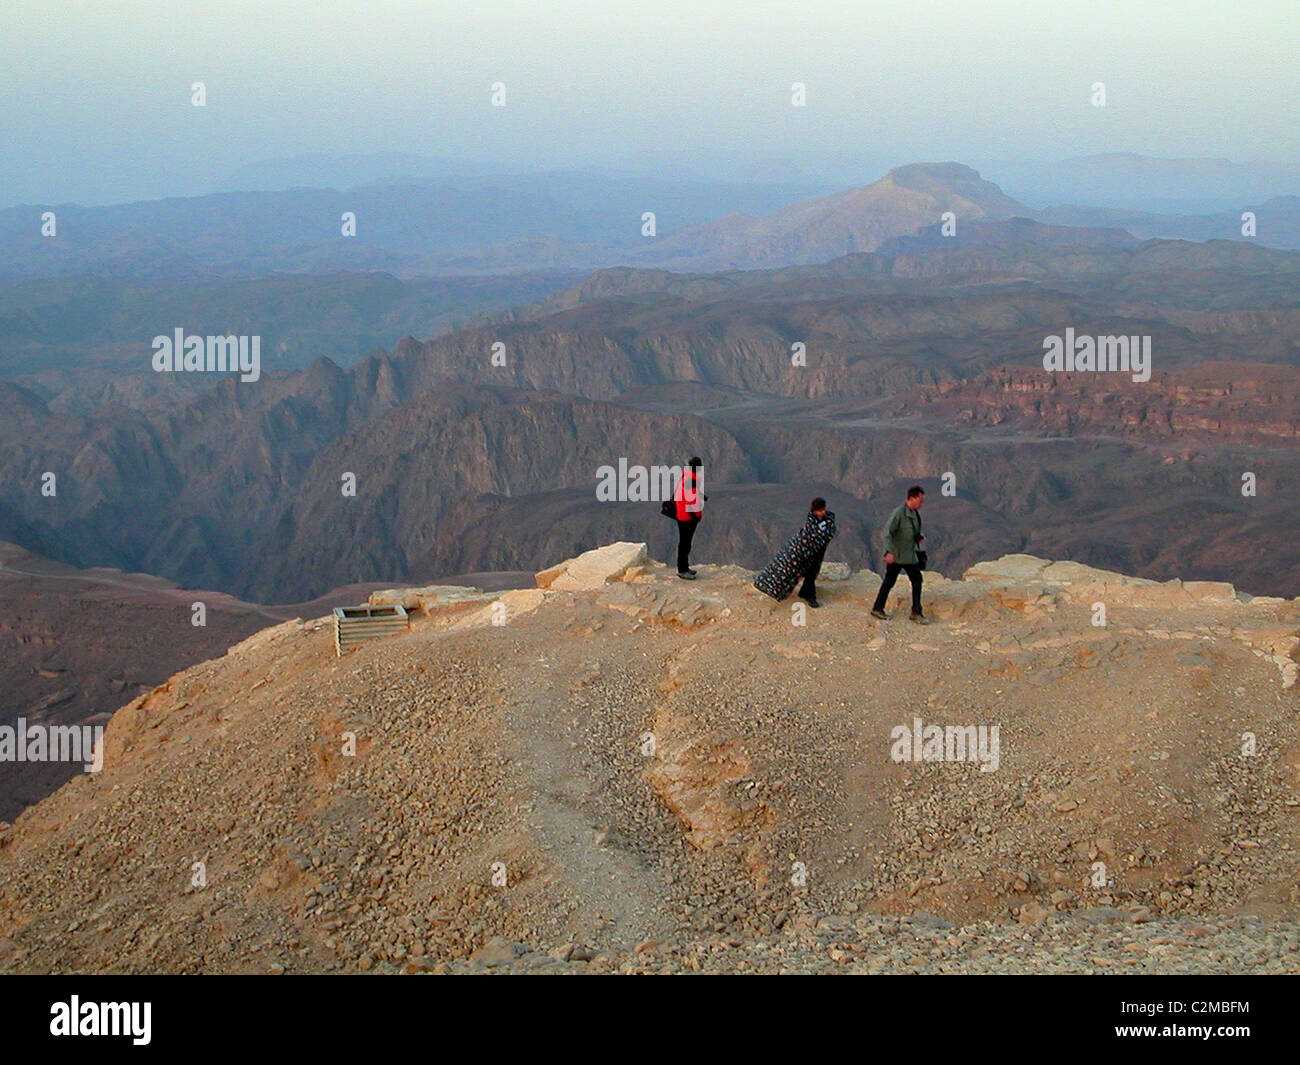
x=920 y=619
x=880 y=614
x=687 y=574
x=811 y=602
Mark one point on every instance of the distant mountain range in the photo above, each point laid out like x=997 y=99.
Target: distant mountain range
x=1132 y=182
x=82 y=342
x=1277 y=222
x=1120 y=180
x=236 y=487
x=476 y=224
x=446 y=226
x=467 y=464
x=903 y=201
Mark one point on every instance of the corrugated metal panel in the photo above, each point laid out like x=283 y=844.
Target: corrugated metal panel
x=357 y=624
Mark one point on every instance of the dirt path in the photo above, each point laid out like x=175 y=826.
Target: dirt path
x=623 y=900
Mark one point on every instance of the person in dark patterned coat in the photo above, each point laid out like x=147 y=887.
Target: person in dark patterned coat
x=800 y=557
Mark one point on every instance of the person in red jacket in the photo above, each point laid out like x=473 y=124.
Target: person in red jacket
x=690 y=508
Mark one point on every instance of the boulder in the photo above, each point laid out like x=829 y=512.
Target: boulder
x=1071 y=572
x=594 y=568
x=545 y=578
x=1211 y=591
x=431 y=600
x=1128 y=591
x=835 y=571
x=1008 y=568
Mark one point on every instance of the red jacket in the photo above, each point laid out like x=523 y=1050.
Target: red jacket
x=688 y=494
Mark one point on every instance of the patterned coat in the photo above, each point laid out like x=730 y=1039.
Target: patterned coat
x=783 y=572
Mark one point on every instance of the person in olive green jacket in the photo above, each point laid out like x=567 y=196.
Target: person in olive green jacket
x=903 y=538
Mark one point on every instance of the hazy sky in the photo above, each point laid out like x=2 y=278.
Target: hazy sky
x=95 y=96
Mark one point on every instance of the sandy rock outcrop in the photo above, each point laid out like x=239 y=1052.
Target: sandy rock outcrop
x=593 y=568
x=1077 y=583
x=705 y=781
x=433 y=600
x=1034 y=586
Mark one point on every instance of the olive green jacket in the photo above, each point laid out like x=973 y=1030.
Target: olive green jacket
x=901 y=533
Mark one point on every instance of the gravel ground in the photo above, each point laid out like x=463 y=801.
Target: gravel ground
x=660 y=777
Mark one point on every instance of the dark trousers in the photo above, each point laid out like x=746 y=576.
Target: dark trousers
x=809 y=589
x=891 y=575
x=685 y=534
